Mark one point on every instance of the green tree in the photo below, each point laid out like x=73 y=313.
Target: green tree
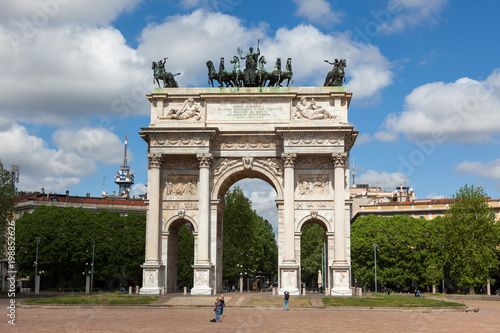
x=65 y=246
x=7 y=195
x=185 y=257
x=408 y=250
x=311 y=248
x=248 y=240
x=470 y=237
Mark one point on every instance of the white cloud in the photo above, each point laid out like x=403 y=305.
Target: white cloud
x=85 y=71
x=490 y=170
x=317 y=11
x=363 y=138
x=27 y=15
x=52 y=169
x=137 y=190
x=386 y=136
x=92 y=143
x=464 y=111
x=402 y=14
x=202 y=36
x=435 y=196
x=387 y=181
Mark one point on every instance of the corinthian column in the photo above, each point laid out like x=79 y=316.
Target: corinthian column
x=204 y=161
x=289 y=211
x=339 y=161
x=153 y=224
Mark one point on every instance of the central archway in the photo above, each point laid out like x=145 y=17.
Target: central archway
x=228 y=172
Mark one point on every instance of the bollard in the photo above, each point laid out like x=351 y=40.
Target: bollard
x=274 y=291
x=185 y=291
x=163 y=290
x=130 y=290
x=303 y=291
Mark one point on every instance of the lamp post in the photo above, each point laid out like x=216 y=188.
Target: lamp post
x=37 y=278
x=442 y=266
x=92 y=266
x=375 y=256
x=86 y=273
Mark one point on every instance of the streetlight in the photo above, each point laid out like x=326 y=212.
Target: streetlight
x=375 y=256
x=92 y=266
x=442 y=266
x=37 y=278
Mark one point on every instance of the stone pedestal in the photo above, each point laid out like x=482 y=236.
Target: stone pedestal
x=202 y=280
x=151 y=277
x=341 y=281
x=289 y=279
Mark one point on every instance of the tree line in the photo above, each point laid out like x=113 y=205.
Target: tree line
x=413 y=253
x=65 y=246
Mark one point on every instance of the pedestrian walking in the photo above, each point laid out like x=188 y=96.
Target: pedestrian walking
x=221 y=305
x=418 y=293
x=217 y=310
x=285 y=302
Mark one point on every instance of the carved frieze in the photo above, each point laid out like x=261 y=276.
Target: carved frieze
x=313 y=185
x=182 y=185
x=158 y=142
x=314 y=205
x=181 y=163
x=232 y=143
x=273 y=164
x=314 y=162
x=180 y=205
x=224 y=164
x=314 y=141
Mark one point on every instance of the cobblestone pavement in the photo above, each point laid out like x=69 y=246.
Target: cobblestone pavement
x=197 y=319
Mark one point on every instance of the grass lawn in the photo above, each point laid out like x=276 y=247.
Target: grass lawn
x=277 y=302
x=108 y=298
x=390 y=301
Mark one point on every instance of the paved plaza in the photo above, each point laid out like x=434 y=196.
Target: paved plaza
x=193 y=314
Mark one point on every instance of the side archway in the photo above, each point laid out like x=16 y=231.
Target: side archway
x=170 y=242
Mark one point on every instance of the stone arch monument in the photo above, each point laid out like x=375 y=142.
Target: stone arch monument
x=203 y=140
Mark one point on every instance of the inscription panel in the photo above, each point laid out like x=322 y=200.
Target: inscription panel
x=250 y=109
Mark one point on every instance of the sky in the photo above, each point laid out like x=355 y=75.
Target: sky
x=425 y=78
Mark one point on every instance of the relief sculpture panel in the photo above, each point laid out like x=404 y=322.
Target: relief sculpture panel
x=182 y=185
x=313 y=185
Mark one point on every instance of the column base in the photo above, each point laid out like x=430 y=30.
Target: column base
x=202 y=279
x=289 y=279
x=341 y=280
x=152 y=279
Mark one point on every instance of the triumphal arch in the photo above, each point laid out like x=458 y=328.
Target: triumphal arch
x=203 y=140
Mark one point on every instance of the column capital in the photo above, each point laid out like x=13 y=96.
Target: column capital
x=204 y=160
x=154 y=160
x=288 y=159
x=339 y=159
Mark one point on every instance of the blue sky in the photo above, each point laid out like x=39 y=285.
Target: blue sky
x=424 y=75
